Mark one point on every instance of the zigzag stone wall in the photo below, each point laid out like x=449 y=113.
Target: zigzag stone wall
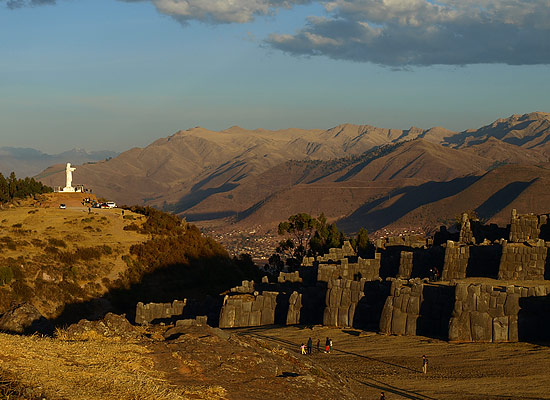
x=242 y=310
x=417 y=308
x=523 y=261
x=402 y=308
x=341 y=301
x=483 y=313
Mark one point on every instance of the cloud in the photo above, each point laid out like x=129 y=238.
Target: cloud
x=394 y=33
x=13 y=4
x=219 y=11
x=420 y=32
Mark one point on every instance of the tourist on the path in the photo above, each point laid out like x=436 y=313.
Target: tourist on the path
x=330 y=344
x=424 y=364
x=309 y=345
x=382 y=396
x=327 y=345
x=303 y=348
x=318 y=345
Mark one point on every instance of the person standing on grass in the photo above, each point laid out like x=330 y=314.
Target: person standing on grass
x=327 y=345
x=330 y=344
x=309 y=345
x=382 y=396
x=424 y=364
x=303 y=348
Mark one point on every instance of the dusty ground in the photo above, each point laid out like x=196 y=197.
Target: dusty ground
x=372 y=363
x=264 y=363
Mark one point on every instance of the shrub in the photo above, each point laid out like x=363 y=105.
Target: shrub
x=57 y=242
x=19 y=225
x=6 y=275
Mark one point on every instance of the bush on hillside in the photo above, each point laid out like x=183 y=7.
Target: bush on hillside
x=6 y=275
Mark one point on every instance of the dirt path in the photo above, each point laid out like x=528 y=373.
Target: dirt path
x=372 y=363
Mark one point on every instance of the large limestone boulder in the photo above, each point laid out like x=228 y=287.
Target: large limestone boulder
x=25 y=318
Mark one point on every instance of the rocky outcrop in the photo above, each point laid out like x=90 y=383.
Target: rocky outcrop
x=25 y=318
x=111 y=326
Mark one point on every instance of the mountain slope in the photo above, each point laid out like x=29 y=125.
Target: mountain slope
x=242 y=173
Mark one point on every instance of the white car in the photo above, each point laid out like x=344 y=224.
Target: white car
x=62 y=206
x=111 y=204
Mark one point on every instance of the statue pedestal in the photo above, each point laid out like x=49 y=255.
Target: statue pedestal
x=68 y=189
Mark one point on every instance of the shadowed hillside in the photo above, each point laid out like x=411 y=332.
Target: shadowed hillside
x=249 y=176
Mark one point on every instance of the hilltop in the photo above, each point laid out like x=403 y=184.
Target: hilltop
x=71 y=263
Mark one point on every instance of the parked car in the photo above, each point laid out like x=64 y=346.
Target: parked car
x=62 y=206
x=111 y=204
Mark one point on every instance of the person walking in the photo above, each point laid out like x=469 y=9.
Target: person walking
x=382 y=396
x=303 y=348
x=330 y=344
x=327 y=345
x=424 y=364
x=309 y=346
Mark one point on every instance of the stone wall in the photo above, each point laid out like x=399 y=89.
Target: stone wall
x=483 y=313
x=402 y=308
x=335 y=254
x=466 y=235
x=294 y=308
x=293 y=277
x=456 y=261
x=526 y=226
x=147 y=313
x=242 y=310
x=405 y=265
x=523 y=261
x=245 y=287
x=347 y=269
x=417 y=308
x=341 y=301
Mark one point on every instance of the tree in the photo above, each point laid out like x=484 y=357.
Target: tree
x=299 y=229
x=326 y=236
x=363 y=245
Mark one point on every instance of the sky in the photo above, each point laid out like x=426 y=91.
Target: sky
x=117 y=74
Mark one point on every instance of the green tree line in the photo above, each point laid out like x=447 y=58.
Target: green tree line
x=12 y=188
x=309 y=236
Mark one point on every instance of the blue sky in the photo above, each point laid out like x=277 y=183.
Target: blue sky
x=112 y=74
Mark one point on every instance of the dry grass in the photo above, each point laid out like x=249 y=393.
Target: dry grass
x=52 y=234
x=92 y=369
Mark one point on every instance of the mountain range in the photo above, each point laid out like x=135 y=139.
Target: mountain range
x=28 y=162
x=359 y=175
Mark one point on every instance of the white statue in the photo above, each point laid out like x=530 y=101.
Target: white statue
x=69 y=178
